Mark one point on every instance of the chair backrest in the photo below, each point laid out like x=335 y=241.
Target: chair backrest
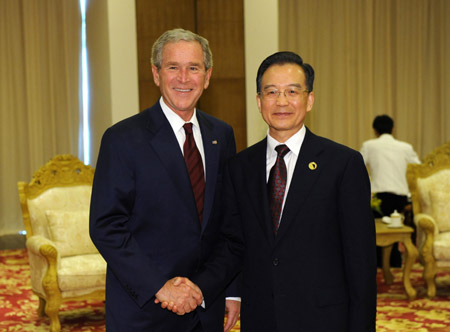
x=63 y=184
x=429 y=184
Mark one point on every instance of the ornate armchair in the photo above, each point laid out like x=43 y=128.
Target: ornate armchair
x=429 y=184
x=64 y=263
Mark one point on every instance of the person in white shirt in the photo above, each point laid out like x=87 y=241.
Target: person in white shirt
x=387 y=159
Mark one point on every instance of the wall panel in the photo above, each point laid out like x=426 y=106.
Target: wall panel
x=152 y=19
x=222 y=23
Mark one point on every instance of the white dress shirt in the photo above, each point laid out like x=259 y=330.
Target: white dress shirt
x=387 y=160
x=294 y=143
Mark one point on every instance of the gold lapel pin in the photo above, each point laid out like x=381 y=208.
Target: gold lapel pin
x=214 y=142
x=312 y=165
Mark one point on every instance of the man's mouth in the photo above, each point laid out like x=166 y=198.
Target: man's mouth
x=182 y=90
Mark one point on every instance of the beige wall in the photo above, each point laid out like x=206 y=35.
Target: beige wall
x=111 y=31
x=123 y=64
x=261 y=40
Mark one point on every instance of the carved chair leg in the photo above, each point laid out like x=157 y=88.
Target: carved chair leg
x=429 y=274
x=41 y=308
x=50 y=285
x=52 y=310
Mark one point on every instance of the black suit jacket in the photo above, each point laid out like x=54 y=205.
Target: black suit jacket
x=319 y=272
x=144 y=220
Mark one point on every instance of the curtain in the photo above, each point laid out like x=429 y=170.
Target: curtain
x=374 y=57
x=39 y=92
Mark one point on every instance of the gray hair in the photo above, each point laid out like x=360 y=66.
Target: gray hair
x=175 y=35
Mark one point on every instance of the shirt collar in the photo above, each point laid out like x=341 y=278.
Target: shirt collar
x=294 y=143
x=176 y=122
x=386 y=136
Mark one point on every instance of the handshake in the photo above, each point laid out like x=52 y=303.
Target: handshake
x=179 y=295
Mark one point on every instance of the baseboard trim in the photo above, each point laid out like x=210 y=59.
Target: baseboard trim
x=12 y=241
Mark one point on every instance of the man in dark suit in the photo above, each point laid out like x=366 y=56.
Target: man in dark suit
x=152 y=215
x=297 y=212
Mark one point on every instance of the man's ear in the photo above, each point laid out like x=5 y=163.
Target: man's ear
x=207 y=78
x=155 y=72
x=310 y=101
x=258 y=102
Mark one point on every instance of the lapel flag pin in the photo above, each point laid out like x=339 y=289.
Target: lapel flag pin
x=214 y=142
x=312 y=165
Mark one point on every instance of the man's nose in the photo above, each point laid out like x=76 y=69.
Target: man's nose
x=281 y=98
x=183 y=75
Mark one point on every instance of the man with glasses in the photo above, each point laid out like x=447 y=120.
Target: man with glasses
x=297 y=218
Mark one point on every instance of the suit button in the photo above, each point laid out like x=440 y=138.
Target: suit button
x=275 y=262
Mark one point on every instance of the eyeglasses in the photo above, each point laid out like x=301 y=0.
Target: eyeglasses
x=290 y=93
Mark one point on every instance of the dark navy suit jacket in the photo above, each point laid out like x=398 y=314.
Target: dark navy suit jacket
x=144 y=221
x=319 y=272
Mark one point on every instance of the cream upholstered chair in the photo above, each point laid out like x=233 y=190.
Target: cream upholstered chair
x=429 y=184
x=64 y=263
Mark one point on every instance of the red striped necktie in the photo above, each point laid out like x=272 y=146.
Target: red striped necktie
x=195 y=168
x=277 y=186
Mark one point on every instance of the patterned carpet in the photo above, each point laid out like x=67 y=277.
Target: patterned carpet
x=18 y=305
x=396 y=313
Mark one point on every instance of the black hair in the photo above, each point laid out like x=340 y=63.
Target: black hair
x=281 y=58
x=383 y=124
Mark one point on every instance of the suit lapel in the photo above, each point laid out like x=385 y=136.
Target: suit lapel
x=164 y=143
x=303 y=180
x=255 y=169
x=211 y=147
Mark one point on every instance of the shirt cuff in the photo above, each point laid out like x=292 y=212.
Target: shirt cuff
x=203 y=305
x=233 y=298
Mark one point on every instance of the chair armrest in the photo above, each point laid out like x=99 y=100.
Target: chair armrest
x=427 y=223
x=44 y=260
x=35 y=242
x=430 y=229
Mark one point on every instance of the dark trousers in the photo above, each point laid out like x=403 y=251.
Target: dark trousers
x=198 y=328
x=389 y=203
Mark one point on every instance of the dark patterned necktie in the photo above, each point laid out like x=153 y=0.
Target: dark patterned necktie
x=195 y=168
x=277 y=186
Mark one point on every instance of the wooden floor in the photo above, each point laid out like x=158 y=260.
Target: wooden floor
x=12 y=241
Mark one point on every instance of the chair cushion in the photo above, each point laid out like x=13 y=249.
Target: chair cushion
x=81 y=272
x=440 y=209
x=70 y=232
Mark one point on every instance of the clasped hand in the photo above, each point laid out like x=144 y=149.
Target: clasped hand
x=179 y=295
